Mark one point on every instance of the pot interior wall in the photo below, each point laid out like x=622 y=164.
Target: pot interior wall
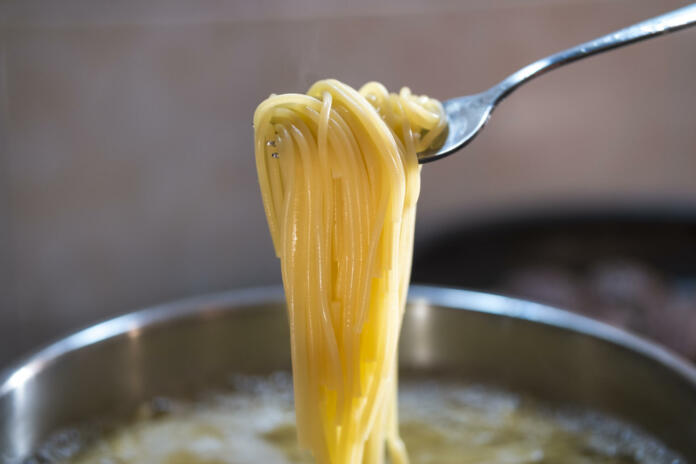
x=190 y=346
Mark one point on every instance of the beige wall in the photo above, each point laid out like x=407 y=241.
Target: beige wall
x=126 y=171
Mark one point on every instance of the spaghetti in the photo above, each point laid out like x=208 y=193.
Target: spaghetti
x=339 y=177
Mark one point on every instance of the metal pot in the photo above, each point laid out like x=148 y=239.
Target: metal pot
x=176 y=349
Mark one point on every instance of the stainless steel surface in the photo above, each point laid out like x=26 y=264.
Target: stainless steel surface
x=179 y=348
x=467 y=115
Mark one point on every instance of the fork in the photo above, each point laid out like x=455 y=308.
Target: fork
x=467 y=115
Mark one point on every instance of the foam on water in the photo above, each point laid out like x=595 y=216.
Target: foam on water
x=442 y=422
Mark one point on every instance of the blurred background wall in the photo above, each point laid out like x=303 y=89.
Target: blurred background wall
x=126 y=165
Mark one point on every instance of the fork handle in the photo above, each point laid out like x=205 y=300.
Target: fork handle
x=663 y=24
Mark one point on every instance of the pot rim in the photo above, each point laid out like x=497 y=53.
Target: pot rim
x=23 y=370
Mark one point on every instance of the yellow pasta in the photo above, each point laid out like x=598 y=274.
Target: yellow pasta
x=339 y=178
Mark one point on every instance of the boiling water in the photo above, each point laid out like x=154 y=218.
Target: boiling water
x=441 y=423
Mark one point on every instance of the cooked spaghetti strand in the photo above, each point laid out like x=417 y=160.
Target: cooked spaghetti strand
x=339 y=178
